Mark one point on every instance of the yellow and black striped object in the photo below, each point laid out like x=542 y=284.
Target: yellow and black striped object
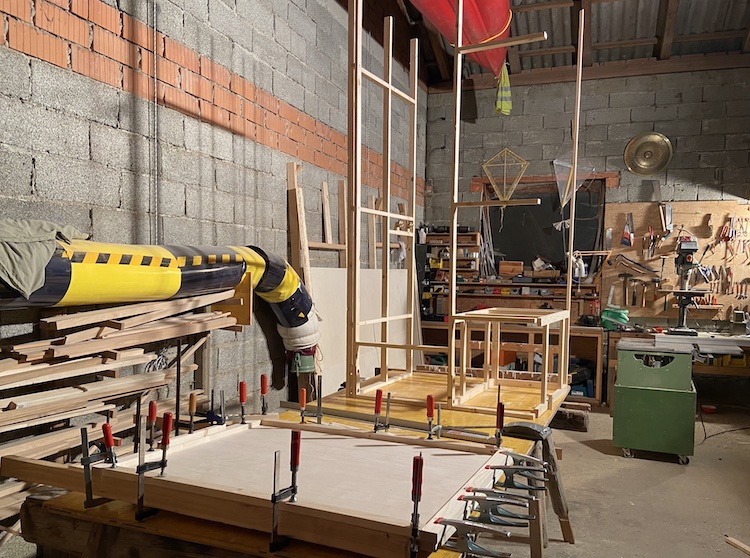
x=83 y=272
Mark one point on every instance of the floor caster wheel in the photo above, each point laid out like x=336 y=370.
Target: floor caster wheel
x=627 y=452
x=683 y=459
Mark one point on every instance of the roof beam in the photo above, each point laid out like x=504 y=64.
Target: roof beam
x=514 y=59
x=746 y=42
x=614 y=69
x=715 y=36
x=542 y=6
x=666 y=24
x=625 y=44
x=441 y=57
x=546 y=51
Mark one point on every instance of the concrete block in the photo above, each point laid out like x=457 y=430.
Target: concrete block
x=294 y=69
x=15 y=74
x=544 y=106
x=16 y=167
x=614 y=163
x=738 y=108
x=678 y=128
x=243 y=151
x=229 y=234
x=208 y=139
x=199 y=203
x=119 y=149
x=677 y=96
x=282 y=32
x=737 y=159
x=135 y=192
x=228 y=177
x=256 y=16
x=738 y=141
x=701 y=143
x=588 y=102
x=171 y=198
x=642 y=83
x=73 y=94
x=119 y=226
x=607 y=116
x=288 y=90
x=602 y=148
x=223 y=207
x=616 y=195
x=298 y=45
x=539 y=168
x=137 y=8
x=734 y=175
x=739 y=191
x=198 y=9
x=606 y=86
x=525 y=122
x=170 y=21
x=710 y=192
x=699 y=111
x=562 y=120
x=653 y=114
x=627 y=131
x=190 y=232
x=632 y=98
x=179 y=165
x=209 y=42
x=268 y=50
x=682 y=177
x=543 y=136
x=717 y=93
x=224 y=19
x=302 y=24
x=279 y=161
x=86 y=182
x=591 y=133
x=263 y=76
x=37 y=207
x=684 y=160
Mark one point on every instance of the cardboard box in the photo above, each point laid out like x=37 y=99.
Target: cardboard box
x=509 y=269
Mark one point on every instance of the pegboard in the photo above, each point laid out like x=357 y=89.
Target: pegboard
x=693 y=216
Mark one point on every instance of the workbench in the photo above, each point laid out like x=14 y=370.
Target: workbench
x=62 y=524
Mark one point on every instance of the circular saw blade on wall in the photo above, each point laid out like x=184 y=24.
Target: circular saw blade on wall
x=648 y=154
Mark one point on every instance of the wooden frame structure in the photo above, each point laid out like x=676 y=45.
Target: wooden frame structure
x=334 y=507
x=458 y=392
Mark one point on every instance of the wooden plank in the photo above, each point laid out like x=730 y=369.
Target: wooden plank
x=371 y=234
x=739 y=545
x=327 y=232
x=167 y=328
x=666 y=24
x=298 y=225
x=342 y=222
x=176 y=307
x=96 y=408
x=441 y=57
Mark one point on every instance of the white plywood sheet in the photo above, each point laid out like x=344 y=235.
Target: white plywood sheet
x=369 y=479
x=330 y=301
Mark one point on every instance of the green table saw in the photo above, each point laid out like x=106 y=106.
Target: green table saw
x=654 y=398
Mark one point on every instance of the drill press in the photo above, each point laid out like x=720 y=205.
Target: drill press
x=684 y=265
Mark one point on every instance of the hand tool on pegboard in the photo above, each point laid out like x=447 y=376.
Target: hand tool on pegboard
x=88 y=460
x=144 y=466
x=290 y=492
x=416 y=495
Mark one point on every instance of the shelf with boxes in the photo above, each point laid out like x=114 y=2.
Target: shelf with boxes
x=513 y=286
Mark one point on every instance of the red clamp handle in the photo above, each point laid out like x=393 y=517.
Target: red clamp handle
x=166 y=429
x=152 y=412
x=500 y=416
x=302 y=399
x=243 y=392
x=378 y=401
x=109 y=440
x=416 y=478
x=263 y=384
x=296 y=442
x=430 y=406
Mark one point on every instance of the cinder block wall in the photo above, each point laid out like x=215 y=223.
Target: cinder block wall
x=705 y=114
x=245 y=86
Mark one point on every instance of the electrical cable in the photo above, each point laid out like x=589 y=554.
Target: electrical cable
x=706 y=436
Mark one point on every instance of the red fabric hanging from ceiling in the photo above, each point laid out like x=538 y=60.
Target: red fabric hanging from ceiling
x=484 y=20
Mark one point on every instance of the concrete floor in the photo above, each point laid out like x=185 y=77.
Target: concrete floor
x=641 y=507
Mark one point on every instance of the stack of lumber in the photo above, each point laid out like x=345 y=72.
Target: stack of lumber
x=75 y=373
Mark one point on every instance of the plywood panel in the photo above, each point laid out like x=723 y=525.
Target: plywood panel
x=331 y=304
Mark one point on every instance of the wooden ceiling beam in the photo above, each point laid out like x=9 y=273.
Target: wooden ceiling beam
x=666 y=24
x=546 y=51
x=514 y=59
x=746 y=42
x=625 y=44
x=614 y=69
x=715 y=36
x=541 y=6
x=441 y=57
